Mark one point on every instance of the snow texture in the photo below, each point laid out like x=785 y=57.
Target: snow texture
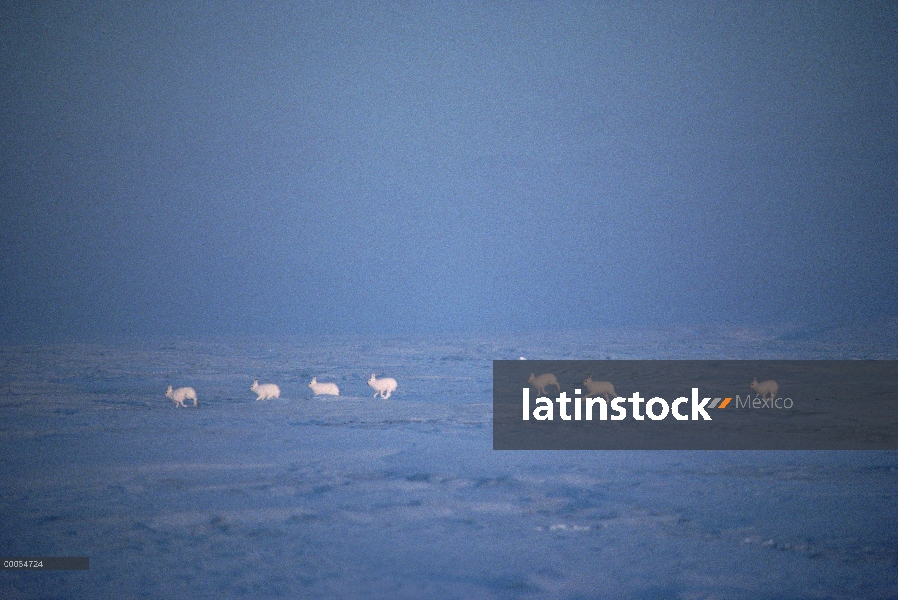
x=349 y=497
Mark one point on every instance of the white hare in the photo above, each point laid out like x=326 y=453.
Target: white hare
x=765 y=387
x=181 y=394
x=599 y=388
x=266 y=390
x=324 y=388
x=543 y=381
x=383 y=386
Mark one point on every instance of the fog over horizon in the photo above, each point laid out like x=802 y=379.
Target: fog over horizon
x=361 y=168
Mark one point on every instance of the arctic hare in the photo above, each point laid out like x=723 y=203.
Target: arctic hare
x=266 y=390
x=765 y=387
x=181 y=394
x=324 y=388
x=599 y=388
x=543 y=381
x=383 y=386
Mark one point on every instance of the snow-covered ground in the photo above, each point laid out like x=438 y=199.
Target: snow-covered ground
x=358 y=497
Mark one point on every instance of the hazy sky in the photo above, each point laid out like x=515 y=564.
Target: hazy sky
x=312 y=168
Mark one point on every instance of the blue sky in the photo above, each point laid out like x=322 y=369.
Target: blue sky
x=366 y=167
